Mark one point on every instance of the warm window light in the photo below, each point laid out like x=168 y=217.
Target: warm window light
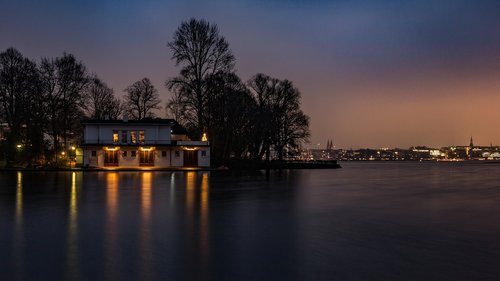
x=204 y=137
x=73 y=148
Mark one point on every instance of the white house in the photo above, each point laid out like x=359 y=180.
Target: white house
x=141 y=143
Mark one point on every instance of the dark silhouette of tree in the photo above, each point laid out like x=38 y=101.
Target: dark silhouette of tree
x=202 y=52
x=178 y=111
x=64 y=80
x=278 y=106
x=230 y=110
x=100 y=102
x=263 y=89
x=141 y=99
x=21 y=103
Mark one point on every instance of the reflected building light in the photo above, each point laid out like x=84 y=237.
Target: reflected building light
x=145 y=267
x=112 y=194
x=18 y=245
x=190 y=189
x=204 y=221
x=172 y=189
x=204 y=192
x=111 y=230
x=72 y=254
x=146 y=194
x=19 y=197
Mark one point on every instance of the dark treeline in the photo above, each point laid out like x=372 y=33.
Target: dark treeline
x=42 y=102
x=42 y=105
x=243 y=120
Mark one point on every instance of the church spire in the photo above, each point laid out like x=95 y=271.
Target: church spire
x=471 y=142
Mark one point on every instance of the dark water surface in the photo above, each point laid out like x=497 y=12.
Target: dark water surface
x=367 y=221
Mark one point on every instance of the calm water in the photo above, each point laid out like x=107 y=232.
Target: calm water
x=367 y=221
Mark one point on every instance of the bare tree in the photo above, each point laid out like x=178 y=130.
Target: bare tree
x=202 y=52
x=21 y=101
x=141 y=99
x=64 y=80
x=278 y=106
x=100 y=102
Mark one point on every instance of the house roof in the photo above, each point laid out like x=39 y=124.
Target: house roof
x=145 y=121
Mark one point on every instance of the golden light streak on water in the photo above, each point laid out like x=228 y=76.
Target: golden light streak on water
x=190 y=196
x=111 y=230
x=146 y=195
x=18 y=257
x=112 y=184
x=19 y=198
x=204 y=221
x=145 y=266
x=72 y=246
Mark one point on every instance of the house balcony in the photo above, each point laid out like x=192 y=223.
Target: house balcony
x=192 y=143
x=97 y=142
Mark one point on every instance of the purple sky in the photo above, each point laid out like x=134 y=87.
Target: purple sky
x=371 y=73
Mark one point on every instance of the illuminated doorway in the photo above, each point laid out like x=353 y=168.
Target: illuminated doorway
x=110 y=157
x=190 y=158
x=146 y=157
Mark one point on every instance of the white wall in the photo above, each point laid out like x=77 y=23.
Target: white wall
x=159 y=134
x=177 y=161
x=161 y=161
x=128 y=161
x=204 y=161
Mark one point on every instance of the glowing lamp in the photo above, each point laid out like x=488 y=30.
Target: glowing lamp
x=204 y=137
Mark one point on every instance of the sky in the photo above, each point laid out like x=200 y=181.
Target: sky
x=394 y=73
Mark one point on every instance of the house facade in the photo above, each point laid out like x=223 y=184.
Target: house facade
x=150 y=142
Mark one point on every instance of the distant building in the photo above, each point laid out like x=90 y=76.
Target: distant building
x=159 y=143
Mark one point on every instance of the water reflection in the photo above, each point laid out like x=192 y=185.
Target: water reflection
x=197 y=226
x=19 y=199
x=204 y=217
x=18 y=257
x=72 y=247
x=112 y=184
x=145 y=228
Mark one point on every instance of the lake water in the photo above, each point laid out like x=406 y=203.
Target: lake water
x=367 y=221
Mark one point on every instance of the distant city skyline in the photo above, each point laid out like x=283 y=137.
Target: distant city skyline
x=371 y=73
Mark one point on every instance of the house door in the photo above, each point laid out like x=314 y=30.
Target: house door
x=146 y=158
x=111 y=158
x=190 y=158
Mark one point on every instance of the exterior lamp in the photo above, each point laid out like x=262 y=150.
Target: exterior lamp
x=63 y=153
x=73 y=148
x=19 y=145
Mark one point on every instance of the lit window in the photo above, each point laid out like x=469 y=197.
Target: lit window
x=124 y=136
x=141 y=136
x=133 y=137
x=115 y=136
